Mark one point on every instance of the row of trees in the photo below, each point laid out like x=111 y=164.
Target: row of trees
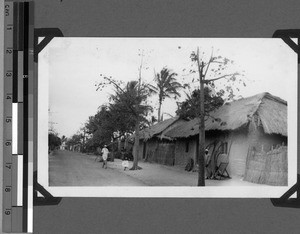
x=54 y=141
x=128 y=110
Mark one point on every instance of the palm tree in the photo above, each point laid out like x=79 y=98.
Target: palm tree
x=166 y=87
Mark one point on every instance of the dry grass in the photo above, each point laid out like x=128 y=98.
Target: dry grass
x=273 y=116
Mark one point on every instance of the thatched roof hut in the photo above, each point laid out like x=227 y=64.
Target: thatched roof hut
x=254 y=123
x=270 y=110
x=157 y=129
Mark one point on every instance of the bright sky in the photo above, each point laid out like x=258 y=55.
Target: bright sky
x=73 y=67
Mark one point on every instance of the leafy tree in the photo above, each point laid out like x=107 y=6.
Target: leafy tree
x=166 y=87
x=74 y=140
x=101 y=127
x=131 y=101
x=190 y=108
x=108 y=124
x=53 y=140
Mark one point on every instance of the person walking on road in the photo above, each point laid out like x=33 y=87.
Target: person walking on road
x=125 y=163
x=104 y=156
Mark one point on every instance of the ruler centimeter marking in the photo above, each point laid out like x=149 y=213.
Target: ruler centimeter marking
x=23 y=128
x=17 y=117
x=18 y=114
x=8 y=95
x=28 y=120
x=29 y=110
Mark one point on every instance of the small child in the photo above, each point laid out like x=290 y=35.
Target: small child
x=125 y=162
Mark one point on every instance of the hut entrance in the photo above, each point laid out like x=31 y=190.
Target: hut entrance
x=165 y=153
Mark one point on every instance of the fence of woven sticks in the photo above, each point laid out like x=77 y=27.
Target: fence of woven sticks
x=269 y=168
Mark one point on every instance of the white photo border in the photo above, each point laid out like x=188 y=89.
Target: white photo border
x=162 y=192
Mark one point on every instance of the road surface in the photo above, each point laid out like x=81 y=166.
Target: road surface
x=68 y=168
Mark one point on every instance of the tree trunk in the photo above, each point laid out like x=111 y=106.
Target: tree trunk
x=201 y=150
x=159 y=110
x=136 y=146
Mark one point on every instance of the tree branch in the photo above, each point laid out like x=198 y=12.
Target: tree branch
x=220 y=77
x=214 y=61
x=114 y=83
x=209 y=62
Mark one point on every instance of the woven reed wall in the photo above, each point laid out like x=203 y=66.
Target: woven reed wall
x=267 y=167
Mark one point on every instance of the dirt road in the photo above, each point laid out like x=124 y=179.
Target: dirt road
x=68 y=168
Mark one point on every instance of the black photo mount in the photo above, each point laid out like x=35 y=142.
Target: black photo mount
x=48 y=34
x=285 y=200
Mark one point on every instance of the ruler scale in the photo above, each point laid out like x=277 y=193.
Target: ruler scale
x=28 y=110
x=17 y=171
x=24 y=80
x=7 y=108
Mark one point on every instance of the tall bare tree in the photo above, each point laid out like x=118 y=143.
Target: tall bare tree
x=209 y=71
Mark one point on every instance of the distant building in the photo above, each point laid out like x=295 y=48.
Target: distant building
x=63 y=146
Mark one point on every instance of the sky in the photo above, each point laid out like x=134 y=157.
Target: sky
x=73 y=66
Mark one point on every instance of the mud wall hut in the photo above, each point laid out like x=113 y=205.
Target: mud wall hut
x=259 y=121
x=155 y=146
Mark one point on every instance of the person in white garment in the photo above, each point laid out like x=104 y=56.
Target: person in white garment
x=125 y=163
x=104 y=156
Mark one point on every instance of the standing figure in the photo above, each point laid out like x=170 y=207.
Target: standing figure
x=104 y=156
x=208 y=170
x=125 y=162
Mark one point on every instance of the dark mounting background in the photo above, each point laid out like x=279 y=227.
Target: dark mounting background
x=180 y=18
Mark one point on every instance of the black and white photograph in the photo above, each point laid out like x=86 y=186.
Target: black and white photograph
x=167 y=117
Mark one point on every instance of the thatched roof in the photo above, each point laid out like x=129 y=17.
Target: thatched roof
x=271 y=110
x=157 y=128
